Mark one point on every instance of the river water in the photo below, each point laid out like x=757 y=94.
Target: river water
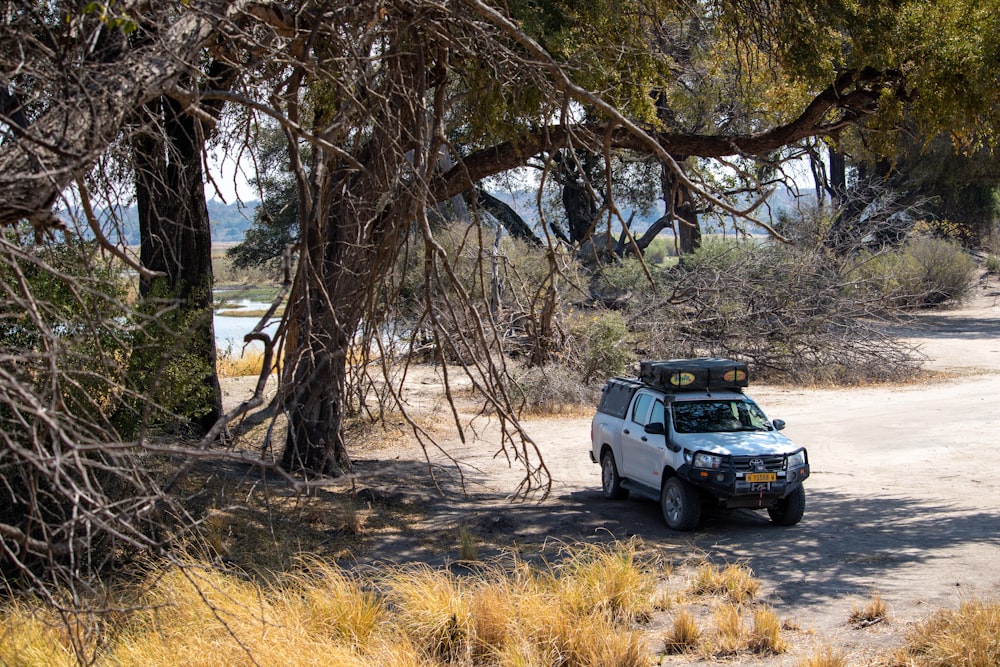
x=230 y=329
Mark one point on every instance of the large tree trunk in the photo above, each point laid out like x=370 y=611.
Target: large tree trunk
x=578 y=202
x=680 y=207
x=353 y=222
x=176 y=237
x=315 y=437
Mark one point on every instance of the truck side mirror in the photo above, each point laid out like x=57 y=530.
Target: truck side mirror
x=778 y=424
x=655 y=428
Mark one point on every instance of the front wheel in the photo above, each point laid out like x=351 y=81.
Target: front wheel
x=789 y=510
x=681 y=504
x=611 y=481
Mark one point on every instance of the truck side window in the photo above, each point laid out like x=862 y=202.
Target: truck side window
x=657 y=416
x=641 y=408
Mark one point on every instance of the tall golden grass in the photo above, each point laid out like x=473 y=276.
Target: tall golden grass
x=322 y=615
x=735 y=582
x=966 y=637
x=230 y=364
x=585 y=610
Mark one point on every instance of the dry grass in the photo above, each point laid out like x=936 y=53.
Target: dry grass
x=468 y=544
x=875 y=611
x=585 y=609
x=966 y=637
x=765 y=635
x=229 y=364
x=30 y=635
x=827 y=657
x=734 y=582
x=732 y=635
x=729 y=636
x=608 y=580
x=684 y=635
x=320 y=614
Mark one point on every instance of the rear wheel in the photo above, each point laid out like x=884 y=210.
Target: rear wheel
x=611 y=482
x=789 y=510
x=681 y=504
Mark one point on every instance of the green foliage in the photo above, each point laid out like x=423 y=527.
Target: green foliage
x=167 y=378
x=629 y=276
x=952 y=49
x=993 y=264
x=660 y=251
x=61 y=315
x=604 y=44
x=781 y=308
x=605 y=349
x=64 y=344
x=925 y=271
x=275 y=222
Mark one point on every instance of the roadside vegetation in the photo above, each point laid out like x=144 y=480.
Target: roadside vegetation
x=141 y=523
x=621 y=605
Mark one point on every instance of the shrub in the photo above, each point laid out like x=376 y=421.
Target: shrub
x=925 y=271
x=605 y=350
x=550 y=390
x=782 y=309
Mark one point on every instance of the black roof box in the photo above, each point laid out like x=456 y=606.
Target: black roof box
x=691 y=374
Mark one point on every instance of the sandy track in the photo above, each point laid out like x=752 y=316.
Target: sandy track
x=904 y=496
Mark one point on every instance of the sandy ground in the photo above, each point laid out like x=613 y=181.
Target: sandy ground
x=904 y=497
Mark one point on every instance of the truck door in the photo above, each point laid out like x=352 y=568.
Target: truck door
x=633 y=434
x=651 y=448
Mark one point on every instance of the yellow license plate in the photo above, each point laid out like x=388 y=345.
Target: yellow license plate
x=760 y=477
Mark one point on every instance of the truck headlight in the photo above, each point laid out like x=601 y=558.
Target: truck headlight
x=703 y=460
x=796 y=460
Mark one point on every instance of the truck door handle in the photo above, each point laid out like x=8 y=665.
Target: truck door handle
x=625 y=431
x=644 y=439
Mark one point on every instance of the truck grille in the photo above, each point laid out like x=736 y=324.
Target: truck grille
x=769 y=463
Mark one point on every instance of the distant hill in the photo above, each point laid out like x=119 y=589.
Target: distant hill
x=229 y=222
x=526 y=204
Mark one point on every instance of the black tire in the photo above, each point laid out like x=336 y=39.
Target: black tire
x=789 y=510
x=681 y=504
x=611 y=481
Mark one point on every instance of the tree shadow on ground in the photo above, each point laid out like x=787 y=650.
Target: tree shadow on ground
x=839 y=548
x=942 y=325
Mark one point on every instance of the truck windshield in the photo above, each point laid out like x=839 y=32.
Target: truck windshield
x=718 y=416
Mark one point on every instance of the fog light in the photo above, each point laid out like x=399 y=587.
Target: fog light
x=721 y=477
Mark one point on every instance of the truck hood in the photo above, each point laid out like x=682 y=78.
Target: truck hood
x=743 y=443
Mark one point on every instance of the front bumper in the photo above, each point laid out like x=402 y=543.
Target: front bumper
x=729 y=486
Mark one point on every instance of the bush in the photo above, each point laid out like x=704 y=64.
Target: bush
x=604 y=350
x=550 y=390
x=780 y=308
x=926 y=271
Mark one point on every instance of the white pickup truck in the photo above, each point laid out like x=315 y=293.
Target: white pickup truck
x=685 y=434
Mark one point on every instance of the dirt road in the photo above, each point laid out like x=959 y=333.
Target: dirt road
x=904 y=496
